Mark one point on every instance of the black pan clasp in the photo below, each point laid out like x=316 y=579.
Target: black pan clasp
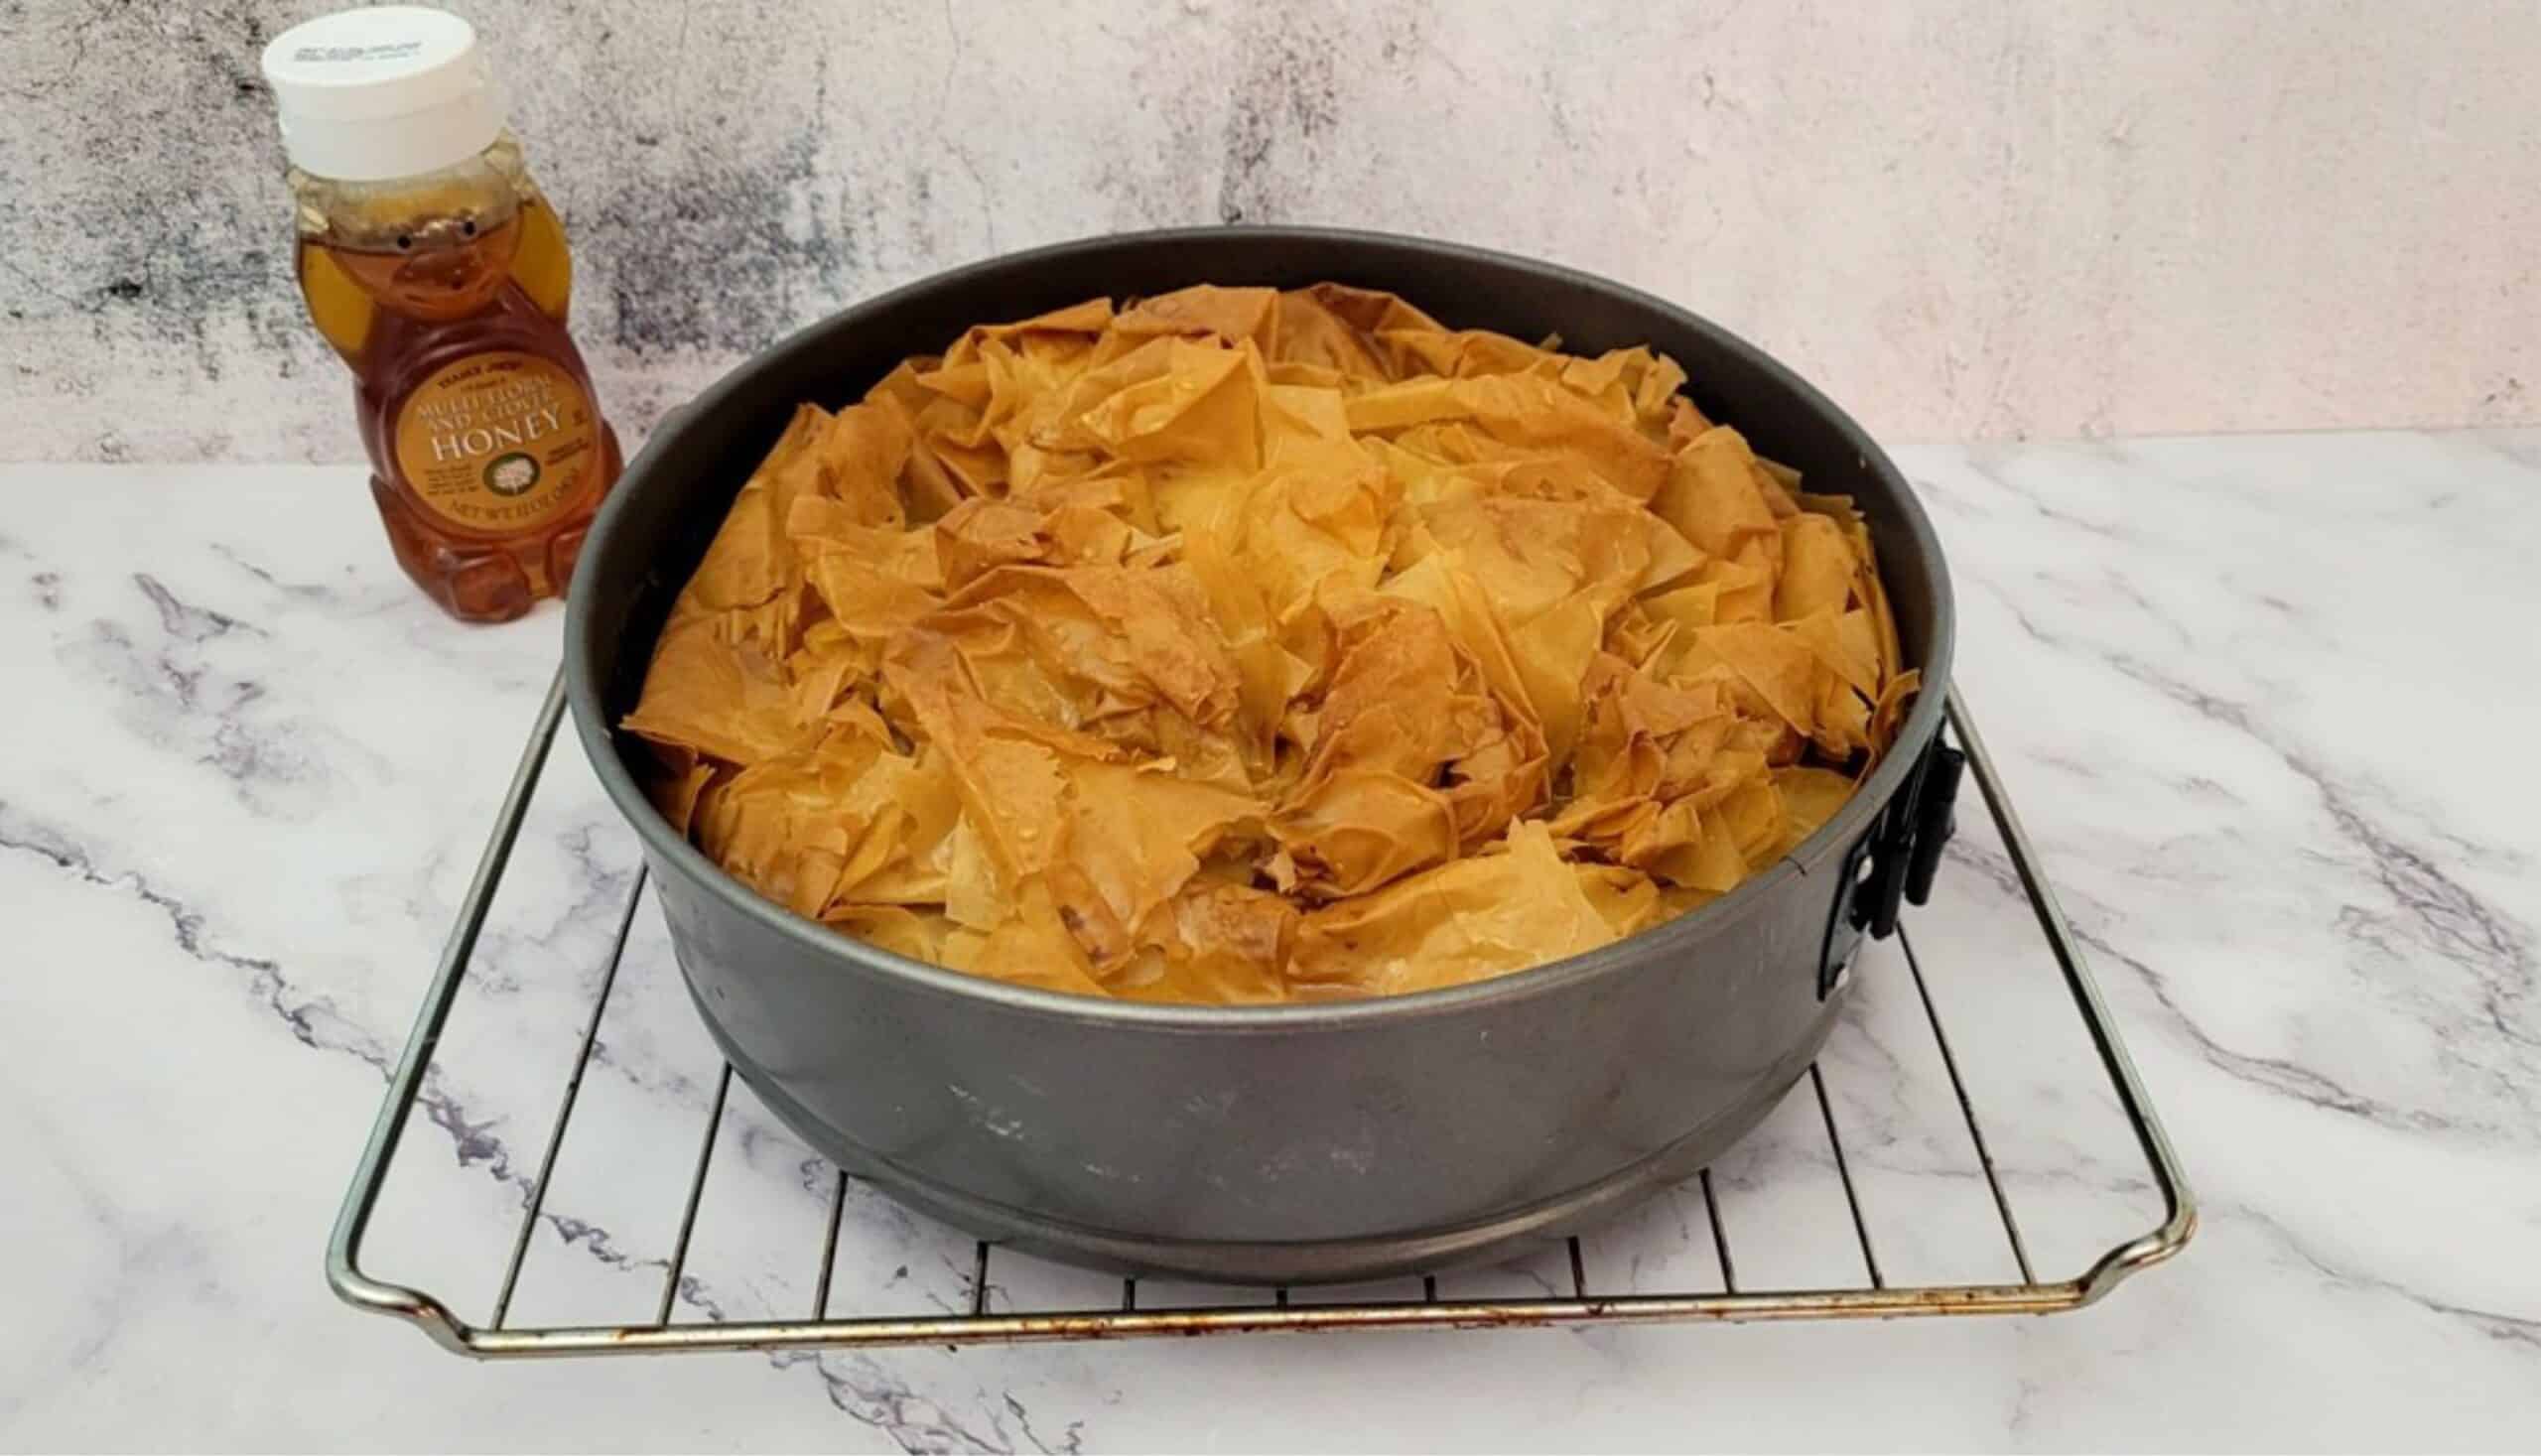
x=1894 y=865
x=1935 y=821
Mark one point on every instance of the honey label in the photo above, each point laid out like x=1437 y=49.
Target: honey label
x=499 y=442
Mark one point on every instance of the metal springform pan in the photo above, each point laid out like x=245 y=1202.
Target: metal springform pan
x=1279 y=1145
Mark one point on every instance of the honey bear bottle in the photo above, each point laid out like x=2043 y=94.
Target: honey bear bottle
x=431 y=263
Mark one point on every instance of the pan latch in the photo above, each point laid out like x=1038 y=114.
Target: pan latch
x=1893 y=866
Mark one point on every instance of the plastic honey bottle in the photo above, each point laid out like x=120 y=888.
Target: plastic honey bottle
x=433 y=265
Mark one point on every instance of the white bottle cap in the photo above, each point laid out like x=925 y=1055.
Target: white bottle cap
x=394 y=91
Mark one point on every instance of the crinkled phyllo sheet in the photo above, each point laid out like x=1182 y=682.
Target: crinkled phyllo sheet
x=1244 y=647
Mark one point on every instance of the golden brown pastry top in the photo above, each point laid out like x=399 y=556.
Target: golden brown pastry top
x=1246 y=646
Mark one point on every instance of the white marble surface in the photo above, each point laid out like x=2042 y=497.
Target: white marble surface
x=1965 y=218
x=2263 y=702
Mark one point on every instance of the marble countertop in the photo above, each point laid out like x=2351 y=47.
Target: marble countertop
x=2262 y=703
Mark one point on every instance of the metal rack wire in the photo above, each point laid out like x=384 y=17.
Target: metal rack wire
x=822 y=1327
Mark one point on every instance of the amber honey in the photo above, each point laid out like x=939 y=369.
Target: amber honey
x=488 y=456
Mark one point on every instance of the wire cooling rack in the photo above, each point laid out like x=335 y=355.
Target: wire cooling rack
x=824 y=1327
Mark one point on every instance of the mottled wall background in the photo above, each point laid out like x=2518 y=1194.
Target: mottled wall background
x=1963 y=219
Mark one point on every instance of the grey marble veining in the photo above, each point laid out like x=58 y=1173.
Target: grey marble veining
x=1964 y=218
x=2256 y=699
